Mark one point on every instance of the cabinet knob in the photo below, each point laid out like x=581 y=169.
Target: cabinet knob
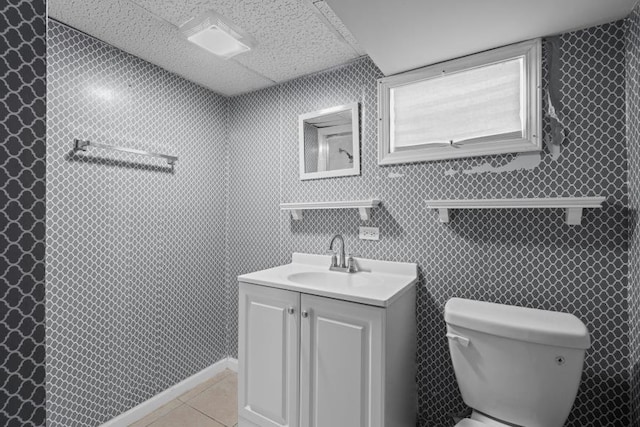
x=305 y=313
x=291 y=310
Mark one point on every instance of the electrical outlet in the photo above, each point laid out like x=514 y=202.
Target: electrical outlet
x=369 y=233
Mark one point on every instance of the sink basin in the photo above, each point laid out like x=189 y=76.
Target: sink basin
x=377 y=283
x=321 y=278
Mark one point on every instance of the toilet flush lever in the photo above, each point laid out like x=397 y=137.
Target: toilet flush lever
x=463 y=341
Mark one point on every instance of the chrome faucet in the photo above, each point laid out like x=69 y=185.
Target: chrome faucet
x=341 y=264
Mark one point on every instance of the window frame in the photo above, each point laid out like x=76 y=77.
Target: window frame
x=530 y=51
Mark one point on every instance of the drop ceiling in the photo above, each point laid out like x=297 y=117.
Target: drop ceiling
x=400 y=35
x=295 y=37
x=299 y=37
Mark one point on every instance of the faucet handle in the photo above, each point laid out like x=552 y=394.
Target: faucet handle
x=351 y=263
x=334 y=257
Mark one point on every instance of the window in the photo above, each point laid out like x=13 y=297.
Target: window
x=487 y=103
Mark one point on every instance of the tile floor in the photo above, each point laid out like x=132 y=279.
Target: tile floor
x=210 y=404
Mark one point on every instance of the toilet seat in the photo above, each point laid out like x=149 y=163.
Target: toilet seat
x=468 y=422
x=480 y=420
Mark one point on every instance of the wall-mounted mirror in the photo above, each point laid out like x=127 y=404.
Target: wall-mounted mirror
x=329 y=142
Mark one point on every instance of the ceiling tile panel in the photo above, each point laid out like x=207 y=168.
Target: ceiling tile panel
x=293 y=39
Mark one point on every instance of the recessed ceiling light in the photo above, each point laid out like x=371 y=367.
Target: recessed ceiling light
x=210 y=31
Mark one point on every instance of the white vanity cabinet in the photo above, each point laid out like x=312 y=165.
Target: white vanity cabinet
x=268 y=362
x=307 y=360
x=340 y=363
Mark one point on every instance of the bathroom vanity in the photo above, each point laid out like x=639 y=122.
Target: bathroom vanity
x=319 y=348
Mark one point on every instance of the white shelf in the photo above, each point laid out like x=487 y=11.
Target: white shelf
x=363 y=206
x=573 y=205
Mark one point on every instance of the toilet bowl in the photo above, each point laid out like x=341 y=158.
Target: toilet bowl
x=514 y=365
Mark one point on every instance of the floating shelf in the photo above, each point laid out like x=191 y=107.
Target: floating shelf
x=573 y=205
x=363 y=206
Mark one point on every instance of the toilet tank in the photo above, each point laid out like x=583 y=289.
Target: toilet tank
x=516 y=364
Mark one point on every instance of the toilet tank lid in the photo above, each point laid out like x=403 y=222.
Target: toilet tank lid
x=519 y=323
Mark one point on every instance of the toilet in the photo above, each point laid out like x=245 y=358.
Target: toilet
x=515 y=366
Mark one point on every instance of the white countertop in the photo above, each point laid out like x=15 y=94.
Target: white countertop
x=376 y=283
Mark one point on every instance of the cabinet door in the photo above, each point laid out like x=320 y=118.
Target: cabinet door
x=341 y=373
x=268 y=356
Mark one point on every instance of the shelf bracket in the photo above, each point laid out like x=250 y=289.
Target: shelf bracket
x=365 y=213
x=296 y=214
x=573 y=216
x=443 y=214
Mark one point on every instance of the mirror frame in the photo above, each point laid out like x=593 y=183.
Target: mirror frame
x=530 y=50
x=354 y=107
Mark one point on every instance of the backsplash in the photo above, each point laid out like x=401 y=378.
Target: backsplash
x=22 y=212
x=522 y=257
x=633 y=138
x=135 y=287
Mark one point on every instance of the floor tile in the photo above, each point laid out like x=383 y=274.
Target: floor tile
x=185 y=416
x=219 y=401
x=153 y=416
x=203 y=386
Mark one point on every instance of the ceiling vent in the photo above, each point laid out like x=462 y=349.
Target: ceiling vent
x=212 y=32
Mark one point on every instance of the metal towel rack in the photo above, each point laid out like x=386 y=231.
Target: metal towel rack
x=81 y=145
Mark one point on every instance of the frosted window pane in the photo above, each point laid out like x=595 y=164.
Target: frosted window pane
x=472 y=105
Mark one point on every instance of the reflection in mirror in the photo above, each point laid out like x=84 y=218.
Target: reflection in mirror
x=329 y=142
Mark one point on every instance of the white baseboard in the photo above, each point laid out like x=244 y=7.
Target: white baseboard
x=166 y=396
x=232 y=364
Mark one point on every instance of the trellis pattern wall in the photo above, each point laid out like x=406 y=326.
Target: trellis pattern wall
x=140 y=294
x=522 y=257
x=135 y=285
x=22 y=212
x=633 y=138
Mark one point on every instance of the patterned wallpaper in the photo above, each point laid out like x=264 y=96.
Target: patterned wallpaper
x=522 y=257
x=138 y=287
x=633 y=138
x=255 y=235
x=22 y=212
x=135 y=273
